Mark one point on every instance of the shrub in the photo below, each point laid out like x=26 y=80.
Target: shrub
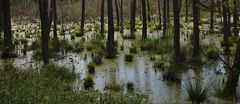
x=88 y=82
x=159 y=65
x=91 y=67
x=196 y=91
x=128 y=58
x=133 y=49
x=114 y=86
x=55 y=72
x=130 y=86
x=212 y=54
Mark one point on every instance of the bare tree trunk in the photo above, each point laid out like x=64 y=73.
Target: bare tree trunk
x=117 y=13
x=45 y=27
x=54 y=11
x=82 y=18
x=226 y=27
x=133 y=17
x=1 y=16
x=159 y=15
x=176 y=31
x=144 y=20
x=7 y=29
x=233 y=76
x=164 y=17
x=110 y=39
x=121 y=15
x=196 y=30
x=212 y=16
x=235 y=18
x=102 y=17
x=149 y=11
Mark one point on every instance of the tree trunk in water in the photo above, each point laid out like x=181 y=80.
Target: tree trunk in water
x=176 y=31
x=159 y=15
x=45 y=27
x=211 y=14
x=164 y=18
x=186 y=10
x=110 y=39
x=233 y=76
x=196 y=27
x=149 y=11
x=133 y=17
x=235 y=18
x=168 y=12
x=144 y=20
x=117 y=13
x=82 y=18
x=54 y=8
x=226 y=27
x=121 y=15
x=102 y=17
x=1 y=16
x=7 y=29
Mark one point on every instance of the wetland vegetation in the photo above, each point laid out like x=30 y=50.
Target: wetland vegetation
x=119 y=51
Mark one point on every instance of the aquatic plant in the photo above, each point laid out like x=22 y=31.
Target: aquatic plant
x=130 y=86
x=55 y=72
x=128 y=58
x=91 y=67
x=114 y=86
x=88 y=82
x=196 y=91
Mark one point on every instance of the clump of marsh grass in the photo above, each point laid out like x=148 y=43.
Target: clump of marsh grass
x=114 y=86
x=196 y=91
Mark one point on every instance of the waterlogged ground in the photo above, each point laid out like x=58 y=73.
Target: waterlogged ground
x=146 y=78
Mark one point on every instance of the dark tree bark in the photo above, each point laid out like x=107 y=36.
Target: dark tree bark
x=164 y=17
x=159 y=15
x=7 y=29
x=82 y=18
x=149 y=11
x=235 y=18
x=168 y=12
x=233 y=76
x=226 y=27
x=196 y=30
x=186 y=10
x=110 y=39
x=144 y=20
x=117 y=13
x=176 y=31
x=45 y=28
x=121 y=16
x=54 y=11
x=102 y=17
x=1 y=17
x=212 y=16
x=133 y=17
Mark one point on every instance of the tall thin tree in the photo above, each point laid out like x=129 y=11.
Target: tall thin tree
x=7 y=29
x=117 y=13
x=1 y=17
x=196 y=13
x=144 y=20
x=159 y=15
x=82 y=18
x=45 y=28
x=235 y=18
x=164 y=17
x=55 y=18
x=110 y=38
x=121 y=16
x=176 y=31
x=102 y=17
x=133 y=17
